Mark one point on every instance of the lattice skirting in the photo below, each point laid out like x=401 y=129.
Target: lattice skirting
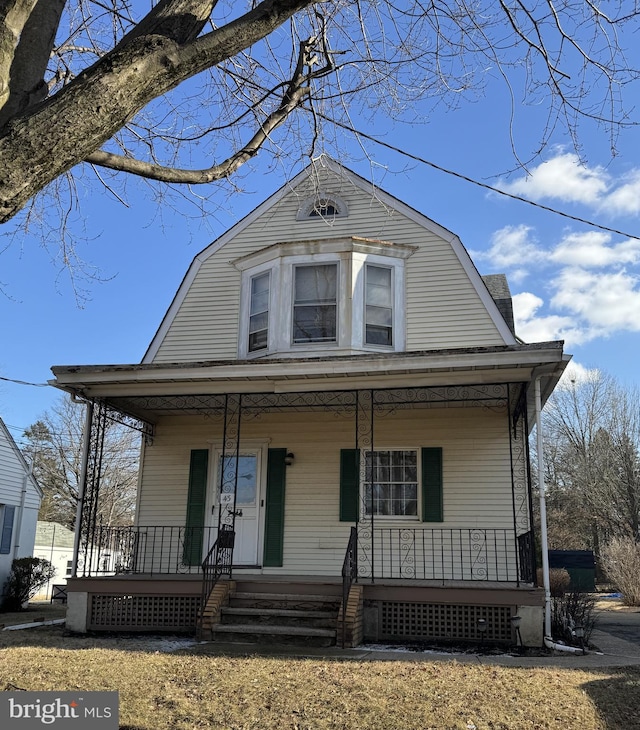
x=443 y=622
x=143 y=613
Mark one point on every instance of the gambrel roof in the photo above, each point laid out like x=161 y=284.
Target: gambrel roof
x=323 y=175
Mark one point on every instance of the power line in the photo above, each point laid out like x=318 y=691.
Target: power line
x=471 y=180
x=24 y=382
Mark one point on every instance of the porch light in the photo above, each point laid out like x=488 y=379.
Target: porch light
x=288 y=459
x=578 y=632
x=515 y=622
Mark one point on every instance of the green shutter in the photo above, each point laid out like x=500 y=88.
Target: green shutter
x=196 y=501
x=349 y=484
x=274 y=509
x=432 y=485
x=7 y=529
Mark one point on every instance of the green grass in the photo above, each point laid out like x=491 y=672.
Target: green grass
x=191 y=689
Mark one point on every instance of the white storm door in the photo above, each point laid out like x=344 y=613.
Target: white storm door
x=247 y=503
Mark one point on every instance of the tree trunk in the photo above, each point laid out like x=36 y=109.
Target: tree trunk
x=50 y=139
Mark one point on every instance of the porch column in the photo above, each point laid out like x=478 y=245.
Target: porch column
x=86 y=539
x=364 y=432
x=228 y=484
x=521 y=484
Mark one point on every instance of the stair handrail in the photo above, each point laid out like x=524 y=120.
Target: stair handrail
x=349 y=576
x=217 y=563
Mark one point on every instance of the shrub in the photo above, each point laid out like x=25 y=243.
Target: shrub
x=572 y=609
x=26 y=578
x=621 y=561
x=559 y=581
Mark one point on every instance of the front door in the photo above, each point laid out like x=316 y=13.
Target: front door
x=241 y=477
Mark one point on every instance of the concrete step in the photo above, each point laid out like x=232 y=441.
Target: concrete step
x=273 y=634
x=279 y=616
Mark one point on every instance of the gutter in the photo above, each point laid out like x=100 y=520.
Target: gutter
x=548 y=640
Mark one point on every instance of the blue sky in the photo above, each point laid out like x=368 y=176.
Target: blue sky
x=569 y=281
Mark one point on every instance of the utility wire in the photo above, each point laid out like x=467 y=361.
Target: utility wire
x=24 y=382
x=471 y=180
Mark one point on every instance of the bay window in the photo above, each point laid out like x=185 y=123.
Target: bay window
x=339 y=295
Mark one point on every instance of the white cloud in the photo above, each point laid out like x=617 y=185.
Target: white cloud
x=577 y=373
x=565 y=178
x=606 y=302
x=625 y=199
x=562 y=177
x=532 y=327
x=591 y=250
x=513 y=249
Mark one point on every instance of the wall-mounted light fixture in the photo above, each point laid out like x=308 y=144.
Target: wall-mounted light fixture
x=288 y=459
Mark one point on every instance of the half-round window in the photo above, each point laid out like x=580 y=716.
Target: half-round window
x=323 y=207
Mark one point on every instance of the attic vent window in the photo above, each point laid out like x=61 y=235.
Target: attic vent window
x=323 y=207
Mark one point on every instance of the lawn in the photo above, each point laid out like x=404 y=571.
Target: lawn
x=190 y=688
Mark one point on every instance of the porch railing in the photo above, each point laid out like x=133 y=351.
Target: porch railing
x=215 y=565
x=441 y=554
x=407 y=553
x=152 y=550
x=349 y=575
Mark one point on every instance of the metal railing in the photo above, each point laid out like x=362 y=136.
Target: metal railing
x=440 y=554
x=215 y=565
x=527 y=557
x=150 y=550
x=349 y=575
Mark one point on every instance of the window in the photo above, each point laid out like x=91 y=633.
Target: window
x=7 y=513
x=315 y=303
x=69 y=567
x=259 y=313
x=322 y=206
x=391 y=483
x=378 y=306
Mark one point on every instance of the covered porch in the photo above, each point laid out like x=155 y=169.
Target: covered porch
x=408 y=556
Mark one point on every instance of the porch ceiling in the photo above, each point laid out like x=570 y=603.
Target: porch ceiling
x=148 y=391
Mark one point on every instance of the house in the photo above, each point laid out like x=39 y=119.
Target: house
x=336 y=410
x=54 y=542
x=20 y=497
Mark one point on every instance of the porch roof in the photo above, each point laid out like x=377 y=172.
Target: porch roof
x=122 y=385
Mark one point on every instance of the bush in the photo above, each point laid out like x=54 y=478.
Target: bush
x=621 y=562
x=26 y=578
x=571 y=610
x=559 y=580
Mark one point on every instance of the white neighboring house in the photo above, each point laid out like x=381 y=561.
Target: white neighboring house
x=20 y=497
x=54 y=542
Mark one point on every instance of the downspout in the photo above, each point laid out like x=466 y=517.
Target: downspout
x=23 y=501
x=548 y=640
x=83 y=484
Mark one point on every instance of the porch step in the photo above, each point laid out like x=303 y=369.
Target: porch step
x=258 y=613
x=270 y=634
x=278 y=617
x=300 y=601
